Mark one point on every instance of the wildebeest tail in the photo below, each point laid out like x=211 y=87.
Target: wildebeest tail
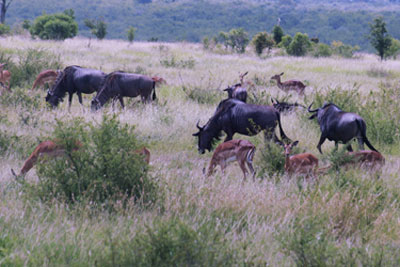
x=283 y=135
x=154 y=91
x=363 y=129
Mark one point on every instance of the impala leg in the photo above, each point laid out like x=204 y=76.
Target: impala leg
x=244 y=170
x=250 y=165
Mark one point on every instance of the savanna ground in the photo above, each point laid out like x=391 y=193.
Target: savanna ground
x=343 y=218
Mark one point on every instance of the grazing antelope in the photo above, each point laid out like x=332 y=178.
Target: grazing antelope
x=233 y=150
x=292 y=85
x=367 y=159
x=5 y=77
x=158 y=80
x=304 y=163
x=49 y=149
x=46 y=76
x=145 y=153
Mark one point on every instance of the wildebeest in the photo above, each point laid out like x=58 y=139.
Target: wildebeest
x=75 y=79
x=234 y=116
x=284 y=106
x=119 y=84
x=237 y=91
x=340 y=126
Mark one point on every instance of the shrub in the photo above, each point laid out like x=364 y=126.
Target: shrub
x=286 y=41
x=300 y=45
x=131 y=34
x=175 y=243
x=343 y=50
x=104 y=168
x=394 y=50
x=202 y=96
x=4 y=29
x=58 y=26
x=277 y=33
x=238 y=40
x=322 y=50
x=171 y=61
x=22 y=99
x=97 y=27
x=261 y=41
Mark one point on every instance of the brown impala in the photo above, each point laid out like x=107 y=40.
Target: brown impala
x=241 y=151
x=46 y=76
x=367 y=159
x=292 y=85
x=304 y=163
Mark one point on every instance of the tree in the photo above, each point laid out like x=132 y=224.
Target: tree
x=5 y=4
x=131 y=33
x=286 y=40
x=277 y=33
x=394 y=49
x=97 y=27
x=58 y=26
x=300 y=45
x=379 y=37
x=238 y=39
x=261 y=41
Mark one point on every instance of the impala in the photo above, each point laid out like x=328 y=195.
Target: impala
x=46 y=76
x=367 y=159
x=292 y=85
x=47 y=149
x=241 y=151
x=304 y=163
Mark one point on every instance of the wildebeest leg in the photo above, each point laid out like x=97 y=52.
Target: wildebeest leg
x=360 y=143
x=80 y=97
x=229 y=136
x=121 y=101
x=69 y=101
x=321 y=141
x=349 y=148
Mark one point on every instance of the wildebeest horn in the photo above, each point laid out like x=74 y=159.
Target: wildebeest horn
x=272 y=100
x=198 y=126
x=309 y=110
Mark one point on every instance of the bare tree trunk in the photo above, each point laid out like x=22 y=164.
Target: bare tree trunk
x=3 y=10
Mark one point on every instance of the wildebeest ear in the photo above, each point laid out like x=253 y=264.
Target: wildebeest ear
x=196 y=134
x=313 y=116
x=295 y=143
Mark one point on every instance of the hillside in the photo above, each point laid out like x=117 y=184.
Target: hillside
x=342 y=217
x=192 y=20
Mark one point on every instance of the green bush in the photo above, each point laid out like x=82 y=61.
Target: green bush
x=171 y=61
x=322 y=50
x=104 y=168
x=300 y=45
x=261 y=41
x=4 y=29
x=286 y=41
x=202 y=96
x=22 y=99
x=343 y=50
x=58 y=26
x=175 y=243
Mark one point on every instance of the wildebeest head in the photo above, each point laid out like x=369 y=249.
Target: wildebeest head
x=229 y=90
x=56 y=94
x=95 y=104
x=206 y=138
x=318 y=112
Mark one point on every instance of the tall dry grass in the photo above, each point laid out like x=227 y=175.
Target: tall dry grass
x=343 y=218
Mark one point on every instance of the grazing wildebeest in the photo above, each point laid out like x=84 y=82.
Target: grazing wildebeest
x=292 y=85
x=284 y=106
x=119 y=84
x=340 y=126
x=237 y=91
x=234 y=116
x=75 y=79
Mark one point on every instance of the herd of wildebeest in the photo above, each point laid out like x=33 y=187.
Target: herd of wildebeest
x=232 y=115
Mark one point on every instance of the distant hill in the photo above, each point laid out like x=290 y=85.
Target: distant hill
x=171 y=20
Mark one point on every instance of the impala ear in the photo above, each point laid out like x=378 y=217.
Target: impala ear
x=281 y=74
x=295 y=143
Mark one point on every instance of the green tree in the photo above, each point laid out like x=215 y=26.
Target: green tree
x=286 y=40
x=97 y=27
x=322 y=50
x=277 y=33
x=238 y=40
x=300 y=45
x=394 y=49
x=131 y=33
x=4 y=29
x=379 y=37
x=261 y=41
x=58 y=26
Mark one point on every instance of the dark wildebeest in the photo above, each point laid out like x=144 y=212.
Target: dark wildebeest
x=234 y=116
x=284 y=106
x=75 y=79
x=237 y=91
x=119 y=84
x=340 y=126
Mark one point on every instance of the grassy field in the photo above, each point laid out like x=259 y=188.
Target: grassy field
x=343 y=218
